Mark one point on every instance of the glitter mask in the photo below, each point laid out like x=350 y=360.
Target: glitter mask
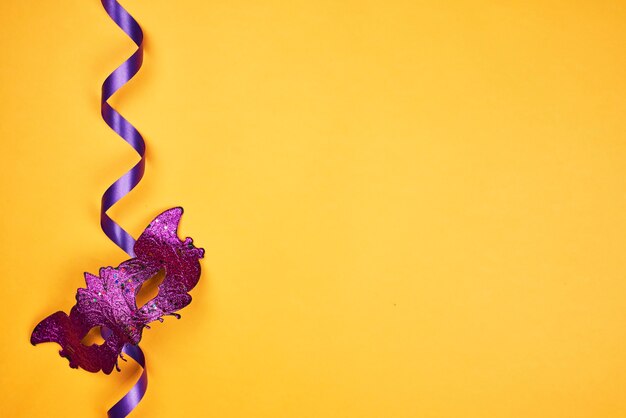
x=110 y=299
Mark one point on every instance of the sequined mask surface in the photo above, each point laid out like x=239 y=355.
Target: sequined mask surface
x=109 y=301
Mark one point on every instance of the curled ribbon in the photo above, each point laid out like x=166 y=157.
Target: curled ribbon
x=120 y=76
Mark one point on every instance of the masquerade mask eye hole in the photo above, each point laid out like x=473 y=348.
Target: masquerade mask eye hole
x=94 y=336
x=149 y=289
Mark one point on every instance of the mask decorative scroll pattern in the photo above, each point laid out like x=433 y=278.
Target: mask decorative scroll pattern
x=109 y=300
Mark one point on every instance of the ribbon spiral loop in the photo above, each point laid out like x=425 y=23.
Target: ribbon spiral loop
x=120 y=76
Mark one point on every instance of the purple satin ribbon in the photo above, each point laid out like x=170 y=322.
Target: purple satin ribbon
x=127 y=182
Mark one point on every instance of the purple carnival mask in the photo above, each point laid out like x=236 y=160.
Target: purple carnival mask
x=109 y=301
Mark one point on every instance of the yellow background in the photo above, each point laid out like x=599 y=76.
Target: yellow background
x=409 y=208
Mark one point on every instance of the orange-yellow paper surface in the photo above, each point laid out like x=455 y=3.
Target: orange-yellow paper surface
x=410 y=209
